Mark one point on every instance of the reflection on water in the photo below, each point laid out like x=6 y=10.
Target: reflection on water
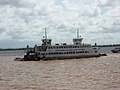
x=101 y=73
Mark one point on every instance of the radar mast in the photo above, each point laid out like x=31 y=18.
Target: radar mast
x=45 y=34
x=77 y=33
x=78 y=40
x=45 y=40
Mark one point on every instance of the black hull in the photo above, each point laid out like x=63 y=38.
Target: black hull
x=35 y=58
x=114 y=51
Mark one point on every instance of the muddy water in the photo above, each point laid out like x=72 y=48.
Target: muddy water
x=101 y=73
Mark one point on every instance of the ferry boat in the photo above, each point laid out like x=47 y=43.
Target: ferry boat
x=116 y=50
x=47 y=51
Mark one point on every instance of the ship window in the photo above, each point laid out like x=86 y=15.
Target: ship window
x=86 y=52
x=73 y=52
x=64 y=52
x=42 y=53
x=95 y=51
x=67 y=47
x=60 y=53
x=60 y=47
x=81 y=52
x=75 y=46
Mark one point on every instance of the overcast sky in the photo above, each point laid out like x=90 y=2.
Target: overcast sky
x=22 y=22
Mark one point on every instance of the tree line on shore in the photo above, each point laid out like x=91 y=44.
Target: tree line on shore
x=110 y=45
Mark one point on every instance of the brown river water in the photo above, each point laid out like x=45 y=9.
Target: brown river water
x=102 y=73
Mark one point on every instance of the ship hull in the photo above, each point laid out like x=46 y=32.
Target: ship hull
x=115 y=51
x=58 y=57
x=70 y=57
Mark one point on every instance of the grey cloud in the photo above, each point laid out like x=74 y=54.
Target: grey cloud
x=16 y=34
x=61 y=27
x=113 y=29
x=4 y=2
x=10 y=2
x=15 y=3
x=113 y=3
x=108 y=3
x=2 y=30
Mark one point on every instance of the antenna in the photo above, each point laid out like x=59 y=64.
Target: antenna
x=45 y=34
x=77 y=33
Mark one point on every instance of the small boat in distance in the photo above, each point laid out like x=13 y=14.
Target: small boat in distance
x=116 y=50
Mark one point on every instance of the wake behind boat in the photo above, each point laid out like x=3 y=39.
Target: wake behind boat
x=48 y=51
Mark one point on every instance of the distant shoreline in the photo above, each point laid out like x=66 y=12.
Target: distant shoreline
x=7 y=49
x=114 y=45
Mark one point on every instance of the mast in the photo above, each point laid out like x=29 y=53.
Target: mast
x=45 y=34
x=45 y=40
x=78 y=40
x=77 y=33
